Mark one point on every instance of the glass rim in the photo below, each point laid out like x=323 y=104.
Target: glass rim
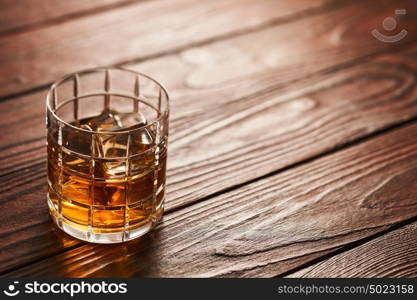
x=56 y=83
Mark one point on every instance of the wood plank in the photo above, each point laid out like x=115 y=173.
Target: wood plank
x=391 y=255
x=23 y=14
x=30 y=59
x=260 y=229
x=325 y=111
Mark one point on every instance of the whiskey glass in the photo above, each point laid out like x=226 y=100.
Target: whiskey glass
x=107 y=134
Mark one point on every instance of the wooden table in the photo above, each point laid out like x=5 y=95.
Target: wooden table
x=293 y=135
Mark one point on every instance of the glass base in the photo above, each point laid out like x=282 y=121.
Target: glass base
x=92 y=235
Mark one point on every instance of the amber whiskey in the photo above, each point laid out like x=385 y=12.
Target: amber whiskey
x=119 y=187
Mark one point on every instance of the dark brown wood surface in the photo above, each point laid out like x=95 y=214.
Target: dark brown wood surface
x=292 y=137
x=21 y=15
x=269 y=226
x=390 y=255
x=135 y=32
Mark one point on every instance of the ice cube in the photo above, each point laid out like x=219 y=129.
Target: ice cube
x=131 y=121
x=108 y=120
x=134 y=121
x=110 y=144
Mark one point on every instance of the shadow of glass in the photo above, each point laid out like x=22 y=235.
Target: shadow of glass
x=81 y=259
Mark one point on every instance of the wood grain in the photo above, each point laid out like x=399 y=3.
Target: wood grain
x=25 y=14
x=150 y=28
x=391 y=255
x=203 y=80
x=262 y=228
x=311 y=117
x=325 y=107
